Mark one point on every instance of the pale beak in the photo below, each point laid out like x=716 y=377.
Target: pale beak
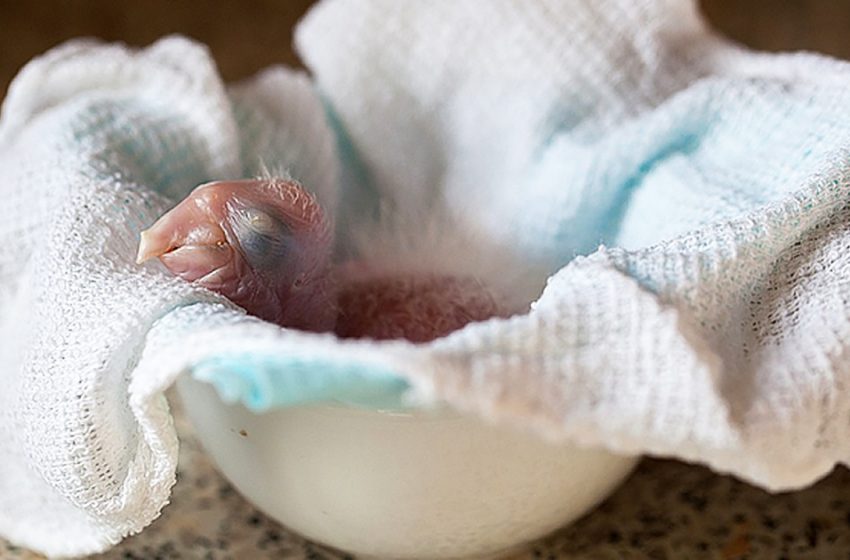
x=151 y=245
x=195 y=261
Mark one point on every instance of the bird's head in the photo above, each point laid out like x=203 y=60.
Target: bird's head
x=265 y=244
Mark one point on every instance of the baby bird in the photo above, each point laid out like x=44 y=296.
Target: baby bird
x=265 y=244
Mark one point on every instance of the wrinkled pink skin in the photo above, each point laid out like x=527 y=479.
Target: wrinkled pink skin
x=263 y=244
x=416 y=307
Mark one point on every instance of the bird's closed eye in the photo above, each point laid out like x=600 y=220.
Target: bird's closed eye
x=265 y=240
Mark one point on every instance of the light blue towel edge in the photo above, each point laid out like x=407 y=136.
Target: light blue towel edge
x=265 y=382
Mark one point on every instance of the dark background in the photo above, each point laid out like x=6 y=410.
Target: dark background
x=248 y=35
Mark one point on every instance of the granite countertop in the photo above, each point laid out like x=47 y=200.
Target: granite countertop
x=664 y=510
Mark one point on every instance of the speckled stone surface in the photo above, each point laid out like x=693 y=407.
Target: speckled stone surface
x=664 y=510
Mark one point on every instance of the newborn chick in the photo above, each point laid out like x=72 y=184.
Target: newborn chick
x=263 y=244
x=266 y=246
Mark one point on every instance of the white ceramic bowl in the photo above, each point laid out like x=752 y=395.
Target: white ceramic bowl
x=400 y=485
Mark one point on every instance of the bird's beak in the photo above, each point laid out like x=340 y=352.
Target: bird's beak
x=152 y=245
x=188 y=241
x=184 y=224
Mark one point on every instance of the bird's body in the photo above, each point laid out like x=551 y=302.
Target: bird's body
x=265 y=244
x=415 y=307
